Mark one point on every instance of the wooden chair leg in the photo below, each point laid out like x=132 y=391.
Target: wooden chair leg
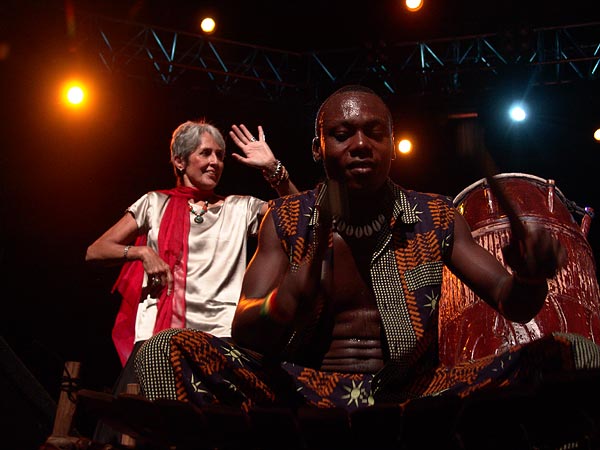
x=126 y=440
x=60 y=438
x=67 y=400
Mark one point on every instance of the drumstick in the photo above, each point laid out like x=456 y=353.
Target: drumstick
x=471 y=139
x=334 y=206
x=338 y=199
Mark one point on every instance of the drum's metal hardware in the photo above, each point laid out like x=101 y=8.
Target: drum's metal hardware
x=551 y=186
x=490 y=200
x=586 y=221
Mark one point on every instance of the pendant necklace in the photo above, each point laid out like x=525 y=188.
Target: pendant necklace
x=198 y=218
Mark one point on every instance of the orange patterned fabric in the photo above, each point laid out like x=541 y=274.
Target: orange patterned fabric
x=291 y=214
x=196 y=367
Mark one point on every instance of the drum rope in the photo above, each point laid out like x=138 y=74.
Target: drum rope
x=582 y=211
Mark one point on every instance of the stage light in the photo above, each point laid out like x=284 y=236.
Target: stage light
x=597 y=135
x=517 y=113
x=413 y=5
x=74 y=94
x=208 y=25
x=405 y=146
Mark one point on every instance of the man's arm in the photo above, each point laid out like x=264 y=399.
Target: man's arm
x=250 y=327
x=518 y=296
x=268 y=310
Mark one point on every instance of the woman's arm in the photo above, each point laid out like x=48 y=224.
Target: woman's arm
x=115 y=246
x=112 y=247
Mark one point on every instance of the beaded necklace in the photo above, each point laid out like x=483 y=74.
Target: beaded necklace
x=198 y=218
x=359 y=231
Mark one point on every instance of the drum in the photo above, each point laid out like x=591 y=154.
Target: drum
x=468 y=327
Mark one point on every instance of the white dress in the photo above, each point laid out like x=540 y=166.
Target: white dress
x=216 y=261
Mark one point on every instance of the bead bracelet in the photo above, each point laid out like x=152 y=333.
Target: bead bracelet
x=275 y=174
x=269 y=308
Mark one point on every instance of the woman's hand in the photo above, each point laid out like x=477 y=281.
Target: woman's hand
x=256 y=152
x=159 y=273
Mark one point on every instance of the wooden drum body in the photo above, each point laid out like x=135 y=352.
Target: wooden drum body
x=469 y=328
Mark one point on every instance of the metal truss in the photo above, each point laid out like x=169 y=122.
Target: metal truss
x=550 y=55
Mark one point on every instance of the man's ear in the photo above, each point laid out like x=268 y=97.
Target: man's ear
x=316 y=149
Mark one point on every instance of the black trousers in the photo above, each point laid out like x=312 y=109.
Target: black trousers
x=103 y=433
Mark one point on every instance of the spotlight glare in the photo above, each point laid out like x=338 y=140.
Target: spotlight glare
x=413 y=5
x=517 y=113
x=208 y=25
x=404 y=146
x=75 y=95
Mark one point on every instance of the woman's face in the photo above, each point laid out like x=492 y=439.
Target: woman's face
x=205 y=164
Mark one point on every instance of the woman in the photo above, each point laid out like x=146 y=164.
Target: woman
x=185 y=248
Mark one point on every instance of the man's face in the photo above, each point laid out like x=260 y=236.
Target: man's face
x=356 y=141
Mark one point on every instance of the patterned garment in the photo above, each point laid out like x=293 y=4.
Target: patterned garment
x=190 y=365
x=406 y=272
x=193 y=366
x=406 y=275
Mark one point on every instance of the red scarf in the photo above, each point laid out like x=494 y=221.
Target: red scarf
x=173 y=249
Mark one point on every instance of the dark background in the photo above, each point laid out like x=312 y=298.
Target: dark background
x=67 y=178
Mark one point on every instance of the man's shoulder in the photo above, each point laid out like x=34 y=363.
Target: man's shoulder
x=413 y=195
x=412 y=207
x=303 y=197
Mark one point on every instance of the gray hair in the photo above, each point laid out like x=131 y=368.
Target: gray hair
x=188 y=136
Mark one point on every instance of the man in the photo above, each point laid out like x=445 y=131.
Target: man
x=339 y=303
